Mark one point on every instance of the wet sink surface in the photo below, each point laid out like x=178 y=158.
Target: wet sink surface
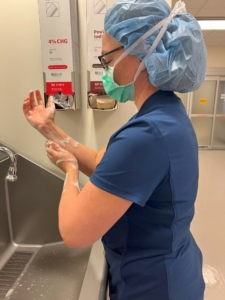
x=54 y=272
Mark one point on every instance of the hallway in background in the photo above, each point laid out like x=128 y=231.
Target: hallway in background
x=208 y=226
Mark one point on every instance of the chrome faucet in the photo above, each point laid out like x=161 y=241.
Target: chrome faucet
x=11 y=176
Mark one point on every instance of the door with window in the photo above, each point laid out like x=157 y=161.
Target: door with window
x=202 y=106
x=206 y=110
x=218 y=140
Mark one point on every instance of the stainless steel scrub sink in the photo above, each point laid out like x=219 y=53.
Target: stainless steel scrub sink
x=35 y=264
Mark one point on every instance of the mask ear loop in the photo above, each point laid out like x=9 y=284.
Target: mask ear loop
x=179 y=8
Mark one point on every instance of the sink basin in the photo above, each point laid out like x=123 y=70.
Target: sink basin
x=50 y=272
x=35 y=264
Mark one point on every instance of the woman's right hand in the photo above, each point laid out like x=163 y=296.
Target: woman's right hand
x=36 y=113
x=61 y=157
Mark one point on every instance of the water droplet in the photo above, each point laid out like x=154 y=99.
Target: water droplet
x=9 y=293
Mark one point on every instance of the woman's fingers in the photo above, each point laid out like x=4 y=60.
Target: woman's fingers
x=30 y=103
x=39 y=97
x=51 y=102
x=58 y=155
x=48 y=143
x=32 y=100
x=54 y=150
x=26 y=106
x=54 y=146
x=51 y=155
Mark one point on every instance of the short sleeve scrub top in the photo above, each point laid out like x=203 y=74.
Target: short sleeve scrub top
x=152 y=161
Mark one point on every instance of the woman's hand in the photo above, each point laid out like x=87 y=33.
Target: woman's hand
x=36 y=113
x=61 y=157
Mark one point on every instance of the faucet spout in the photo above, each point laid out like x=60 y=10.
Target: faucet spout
x=11 y=176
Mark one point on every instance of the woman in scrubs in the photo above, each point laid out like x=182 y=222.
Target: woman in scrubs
x=143 y=184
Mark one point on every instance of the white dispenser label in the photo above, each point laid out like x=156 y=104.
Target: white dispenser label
x=96 y=10
x=57 y=45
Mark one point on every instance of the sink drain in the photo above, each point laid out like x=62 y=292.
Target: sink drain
x=12 y=270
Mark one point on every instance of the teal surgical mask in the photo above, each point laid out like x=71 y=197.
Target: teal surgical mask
x=120 y=93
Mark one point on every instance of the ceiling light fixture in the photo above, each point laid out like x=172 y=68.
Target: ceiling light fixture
x=212 y=24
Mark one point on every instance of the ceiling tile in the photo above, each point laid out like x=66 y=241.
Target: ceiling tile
x=211 y=12
x=207 y=9
x=192 y=3
x=205 y=33
x=193 y=11
x=217 y=37
x=214 y=4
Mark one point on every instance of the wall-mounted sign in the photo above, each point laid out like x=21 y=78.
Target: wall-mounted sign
x=96 y=10
x=203 y=101
x=60 y=49
x=97 y=98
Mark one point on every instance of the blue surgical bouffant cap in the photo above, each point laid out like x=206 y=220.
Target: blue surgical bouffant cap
x=178 y=62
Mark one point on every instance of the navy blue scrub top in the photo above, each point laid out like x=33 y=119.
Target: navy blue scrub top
x=153 y=161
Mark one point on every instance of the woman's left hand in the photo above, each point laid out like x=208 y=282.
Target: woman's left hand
x=60 y=157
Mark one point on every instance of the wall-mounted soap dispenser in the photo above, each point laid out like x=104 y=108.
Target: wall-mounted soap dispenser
x=60 y=52
x=97 y=99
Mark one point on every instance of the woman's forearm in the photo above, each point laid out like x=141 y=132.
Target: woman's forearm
x=86 y=157
x=67 y=203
